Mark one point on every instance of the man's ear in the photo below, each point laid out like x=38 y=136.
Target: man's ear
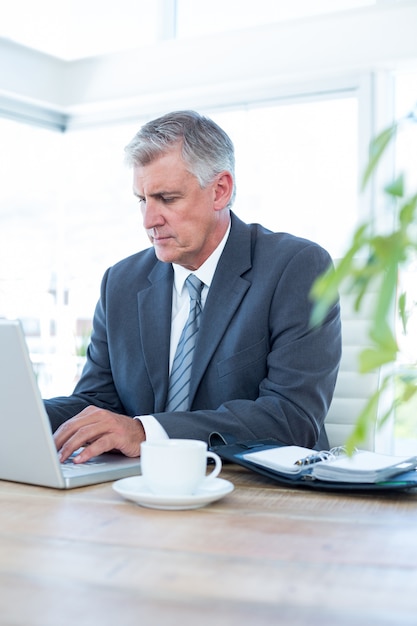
x=223 y=190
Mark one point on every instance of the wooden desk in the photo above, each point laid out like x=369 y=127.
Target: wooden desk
x=262 y=555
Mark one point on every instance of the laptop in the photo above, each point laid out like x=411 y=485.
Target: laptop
x=27 y=449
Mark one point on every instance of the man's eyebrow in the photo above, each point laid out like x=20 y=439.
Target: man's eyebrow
x=158 y=194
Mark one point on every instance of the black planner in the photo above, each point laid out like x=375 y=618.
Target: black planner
x=333 y=470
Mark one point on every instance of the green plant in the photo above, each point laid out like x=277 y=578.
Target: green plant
x=377 y=257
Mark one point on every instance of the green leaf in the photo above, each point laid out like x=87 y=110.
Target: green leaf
x=369 y=417
x=396 y=188
x=385 y=254
x=387 y=294
x=409 y=390
x=324 y=293
x=407 y=212
x=383 y=337
x=402 y=310
x=377 y=148
x=372 y=358
x=325 y=289
x=408 y=377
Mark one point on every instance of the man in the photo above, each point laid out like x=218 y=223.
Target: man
x=258 y=368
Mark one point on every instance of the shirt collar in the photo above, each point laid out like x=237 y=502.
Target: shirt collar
x=205 y=272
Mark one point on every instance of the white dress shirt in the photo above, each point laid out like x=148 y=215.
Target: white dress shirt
x=180 y=311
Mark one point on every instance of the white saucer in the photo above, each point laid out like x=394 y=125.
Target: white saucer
x=133 y=488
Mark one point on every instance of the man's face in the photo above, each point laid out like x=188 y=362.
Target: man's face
x=184 y=222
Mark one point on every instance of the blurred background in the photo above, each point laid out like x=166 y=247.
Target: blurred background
x=301 y=87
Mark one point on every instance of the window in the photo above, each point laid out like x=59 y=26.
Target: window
x=296 y=167
x=68 y=211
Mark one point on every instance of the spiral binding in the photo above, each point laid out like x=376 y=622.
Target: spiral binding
x=323 y=455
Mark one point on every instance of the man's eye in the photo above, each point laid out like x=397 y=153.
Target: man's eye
x=168 y=199
x=141 y=200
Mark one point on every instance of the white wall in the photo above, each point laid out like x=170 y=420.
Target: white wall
x=240 y=66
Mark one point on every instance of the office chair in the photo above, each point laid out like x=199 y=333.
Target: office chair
x=353 y=389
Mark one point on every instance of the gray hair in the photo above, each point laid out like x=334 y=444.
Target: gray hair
x=206 y=149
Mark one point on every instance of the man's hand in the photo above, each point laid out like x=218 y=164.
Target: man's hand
x=99 y=431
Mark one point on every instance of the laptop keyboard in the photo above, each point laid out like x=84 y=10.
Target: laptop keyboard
x=70 y=465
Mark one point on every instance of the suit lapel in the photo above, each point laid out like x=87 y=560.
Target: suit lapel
x=155 y=305
x=228 y=288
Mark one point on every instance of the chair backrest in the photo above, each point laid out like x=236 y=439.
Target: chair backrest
x=353 y=389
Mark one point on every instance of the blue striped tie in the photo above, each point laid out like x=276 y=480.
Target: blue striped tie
x=179 y=381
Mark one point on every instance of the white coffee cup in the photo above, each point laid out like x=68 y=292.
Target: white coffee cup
x=176 y=466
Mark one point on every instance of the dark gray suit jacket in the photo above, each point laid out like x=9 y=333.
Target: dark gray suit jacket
x=261 y=370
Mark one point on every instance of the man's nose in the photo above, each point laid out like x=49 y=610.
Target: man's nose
x=151 y=214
